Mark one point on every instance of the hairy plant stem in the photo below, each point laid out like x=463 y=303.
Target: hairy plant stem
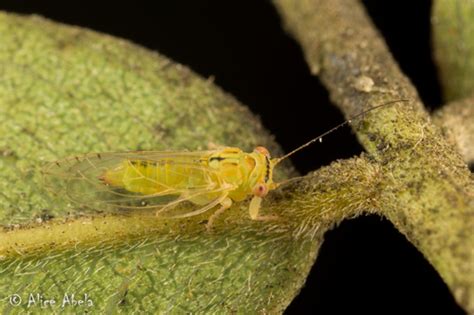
x=428 y=190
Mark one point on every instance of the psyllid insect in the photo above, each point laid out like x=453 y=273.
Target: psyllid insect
x=165 y=181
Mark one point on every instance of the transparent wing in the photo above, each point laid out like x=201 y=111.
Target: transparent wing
x=79 y=179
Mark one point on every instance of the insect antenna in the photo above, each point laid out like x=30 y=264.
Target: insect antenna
x=278 y=160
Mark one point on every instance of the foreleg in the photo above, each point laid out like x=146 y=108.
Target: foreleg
x=254 y=208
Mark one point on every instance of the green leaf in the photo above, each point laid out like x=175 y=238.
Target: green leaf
x=453 y=46
x=67 y=91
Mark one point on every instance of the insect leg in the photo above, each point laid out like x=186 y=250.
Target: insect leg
x=225 y=204
x=254 y=208
x=188 y=197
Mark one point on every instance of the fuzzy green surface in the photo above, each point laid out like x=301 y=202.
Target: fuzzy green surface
x=67 y=91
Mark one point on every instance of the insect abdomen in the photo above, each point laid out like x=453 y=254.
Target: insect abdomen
x=151 y=177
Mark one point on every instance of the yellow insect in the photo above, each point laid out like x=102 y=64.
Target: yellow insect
x=165 y=181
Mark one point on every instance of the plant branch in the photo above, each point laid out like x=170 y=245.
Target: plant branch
x=427 y=190
x=457 y=120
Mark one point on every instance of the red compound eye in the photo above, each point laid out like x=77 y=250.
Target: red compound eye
x=260 y=190
x=263 y=151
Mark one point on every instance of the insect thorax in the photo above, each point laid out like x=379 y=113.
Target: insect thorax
x=243 y=170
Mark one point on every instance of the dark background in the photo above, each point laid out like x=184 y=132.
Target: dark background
x=365 y=265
